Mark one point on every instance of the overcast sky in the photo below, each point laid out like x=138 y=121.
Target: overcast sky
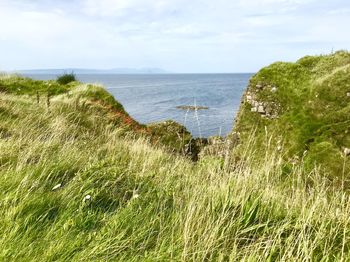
x=176 y=35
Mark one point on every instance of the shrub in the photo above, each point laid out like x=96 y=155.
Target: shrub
x=66 y=78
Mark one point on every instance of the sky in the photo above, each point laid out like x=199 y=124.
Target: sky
x=180 y=36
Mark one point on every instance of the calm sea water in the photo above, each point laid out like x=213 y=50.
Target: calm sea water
x=153 y=98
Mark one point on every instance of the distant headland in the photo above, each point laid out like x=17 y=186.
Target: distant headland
x=58 y=71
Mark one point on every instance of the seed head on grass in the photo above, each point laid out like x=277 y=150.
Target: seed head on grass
x=58 y=186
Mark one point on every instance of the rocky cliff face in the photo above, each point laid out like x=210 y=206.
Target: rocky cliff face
x=303 y=110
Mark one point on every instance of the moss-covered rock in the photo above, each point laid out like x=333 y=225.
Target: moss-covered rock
x=302 y=109
x=170 y=133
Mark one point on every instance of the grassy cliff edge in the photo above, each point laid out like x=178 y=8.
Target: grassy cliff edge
x=302 y=111
x=82 y=181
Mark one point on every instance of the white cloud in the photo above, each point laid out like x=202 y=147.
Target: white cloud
x=340 y=11
x=121 y=7
x=106 y=7
x=179 y=35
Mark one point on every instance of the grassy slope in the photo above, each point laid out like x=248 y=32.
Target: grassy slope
x=147 y=204
x=313 y=108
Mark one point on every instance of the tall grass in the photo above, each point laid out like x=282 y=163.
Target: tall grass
x=66 y=78
x=148 y=205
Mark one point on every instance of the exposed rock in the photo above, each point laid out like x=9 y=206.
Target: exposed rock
x=192 y=108
x=194 y=147
x=220 y=146
x=261 y=109
x=266 y=109
x=269 y=109
x=170 y=134
x=254 y=109
x=348 y=94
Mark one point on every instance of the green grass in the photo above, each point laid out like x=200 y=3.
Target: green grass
x=66 y=78
x=313 y=109
x=25 y=86
x=148 y=204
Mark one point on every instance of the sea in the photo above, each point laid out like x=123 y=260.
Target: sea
x=155 y=98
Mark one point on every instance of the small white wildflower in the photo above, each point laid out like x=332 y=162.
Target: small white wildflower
x=279 y=148
x=56 y=187
x=135 y=194
x=347 y=151
x=87 y=198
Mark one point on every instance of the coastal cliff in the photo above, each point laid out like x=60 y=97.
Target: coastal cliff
x=93 y=105
x=80 y=180
x=301 y=111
